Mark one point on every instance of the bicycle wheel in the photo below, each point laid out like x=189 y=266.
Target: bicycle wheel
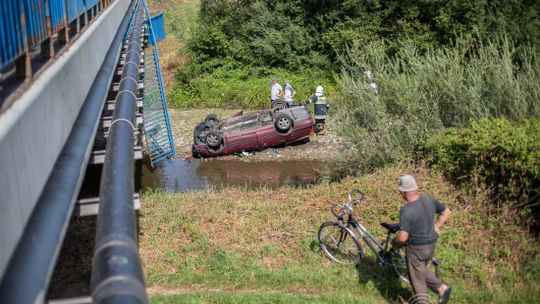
x=339 y=243
x=399 y=263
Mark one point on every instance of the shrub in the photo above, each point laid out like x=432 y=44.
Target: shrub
x=502 y=155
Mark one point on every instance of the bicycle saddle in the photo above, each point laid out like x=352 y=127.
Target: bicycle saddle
x=393 y=228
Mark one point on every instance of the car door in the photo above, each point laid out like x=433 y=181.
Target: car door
x=267 y=135
x=242 y=136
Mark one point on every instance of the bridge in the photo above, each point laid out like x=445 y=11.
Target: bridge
x=82 y=107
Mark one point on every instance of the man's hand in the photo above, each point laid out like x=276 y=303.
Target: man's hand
x=443 y=217
x=400 y=239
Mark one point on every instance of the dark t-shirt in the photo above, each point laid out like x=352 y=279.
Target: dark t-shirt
x=418 y=219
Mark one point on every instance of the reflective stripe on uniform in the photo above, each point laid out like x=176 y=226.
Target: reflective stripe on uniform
x=321 y=100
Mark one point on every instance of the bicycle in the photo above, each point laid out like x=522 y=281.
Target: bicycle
x=339 y=241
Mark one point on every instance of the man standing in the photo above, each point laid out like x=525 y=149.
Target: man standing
x=289 y=93
x=276 y=90
x=420 y=232
x=320 y=108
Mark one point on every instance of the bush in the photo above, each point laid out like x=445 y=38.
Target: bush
x=502 y=155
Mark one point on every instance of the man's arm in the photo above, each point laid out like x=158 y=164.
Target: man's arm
x=443 y=217
x=400 y=239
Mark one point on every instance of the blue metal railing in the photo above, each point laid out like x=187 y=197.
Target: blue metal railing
x=74 y=9
x=157 y=126
x=158 y=28
x=36 y=21
x=26 y=23
x=57 y=11
x=12 y=31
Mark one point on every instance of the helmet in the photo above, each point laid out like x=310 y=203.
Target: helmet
x=319 y=90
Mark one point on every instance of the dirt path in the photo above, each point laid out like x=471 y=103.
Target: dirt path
x=319 y=147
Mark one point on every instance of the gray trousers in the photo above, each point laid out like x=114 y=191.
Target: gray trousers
x=418 y=259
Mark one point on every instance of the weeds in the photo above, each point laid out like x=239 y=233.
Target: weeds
x=420 y=94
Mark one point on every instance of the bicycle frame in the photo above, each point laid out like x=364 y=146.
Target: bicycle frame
x=369 y=239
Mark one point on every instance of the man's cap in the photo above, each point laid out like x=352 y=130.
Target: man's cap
x=407 y=183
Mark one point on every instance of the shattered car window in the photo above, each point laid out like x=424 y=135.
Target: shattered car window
x=265 y=117
x=299 y=113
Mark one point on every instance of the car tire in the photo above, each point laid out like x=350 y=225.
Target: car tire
x=211 y=119
x=283 y=122
x=213 y=139
x=278 y=105
x=199 y=134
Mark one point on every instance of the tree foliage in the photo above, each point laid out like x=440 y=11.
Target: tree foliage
x=294 y=34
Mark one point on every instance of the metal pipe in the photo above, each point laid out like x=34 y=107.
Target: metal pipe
x=117 y=275
x=27 y=277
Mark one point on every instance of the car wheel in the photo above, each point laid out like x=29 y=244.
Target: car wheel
x=279 y=105
x=200 y=132
x=283 y=122
x=212 y=119
x=213 y=139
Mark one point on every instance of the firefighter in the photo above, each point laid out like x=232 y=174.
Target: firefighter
x=320 y=108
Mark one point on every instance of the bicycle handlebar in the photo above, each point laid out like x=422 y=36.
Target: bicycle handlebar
x=359 y=199
x=347 y=208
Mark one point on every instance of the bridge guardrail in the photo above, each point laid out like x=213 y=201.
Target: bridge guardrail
x=12 y=31
x=74 y=9
x=24 y=24
x=158 y=28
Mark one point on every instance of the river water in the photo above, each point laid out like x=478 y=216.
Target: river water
x=197 y=174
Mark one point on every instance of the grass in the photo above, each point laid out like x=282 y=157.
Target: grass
x=239 y=245
x=255 y=297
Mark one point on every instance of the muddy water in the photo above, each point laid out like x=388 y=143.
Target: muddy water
x=183 y=175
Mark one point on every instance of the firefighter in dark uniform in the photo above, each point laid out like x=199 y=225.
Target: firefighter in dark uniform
x=320 y=108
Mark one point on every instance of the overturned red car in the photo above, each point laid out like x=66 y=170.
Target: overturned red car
x=251 y=132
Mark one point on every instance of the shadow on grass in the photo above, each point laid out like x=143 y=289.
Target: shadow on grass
x=385 y=280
